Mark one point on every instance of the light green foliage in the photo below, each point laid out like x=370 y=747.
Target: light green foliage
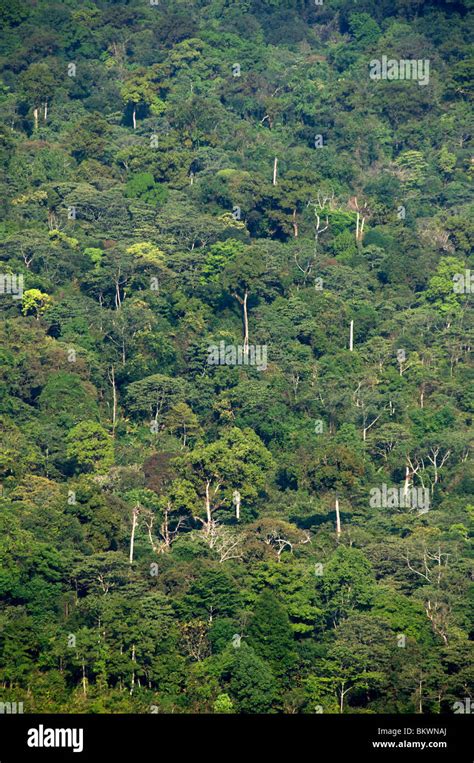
x=94 y=254
x=147 y=253
x=35 y=302
x=220 y=255
x=199 y=537
x=223 y=704
x=139 y=88
x=441 y=286
x=90 y=447
x=237 y=461
x=142 y=186
x=154 y=395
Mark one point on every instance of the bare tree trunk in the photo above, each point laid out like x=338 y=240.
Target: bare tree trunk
x=360 y=222
x=319 y=230
x=361 y=213
x=133 y=672
x=208 y=504
x=341 y=700
x=275 y=166
x=118 y=300
x=114 y=394
x=295 y=224
x=84 y=680
x=407 y=481
x=338 y=520
x=165 y=528
x=237 y=500
x=366 y=428
x=246 y=324
x=134 y=118
x=135 y=513
x=351 y=337
x=243 y=302
x=35 y=114
x=45 y=110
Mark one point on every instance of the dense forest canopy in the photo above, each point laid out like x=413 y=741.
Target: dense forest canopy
x=236 y=390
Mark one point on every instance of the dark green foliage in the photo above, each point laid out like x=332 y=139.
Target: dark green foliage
x=251 y=683
x=142 y=186
x=183 y=531
x=270 y=634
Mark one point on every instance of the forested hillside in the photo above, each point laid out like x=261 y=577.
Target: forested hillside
x=235 y=377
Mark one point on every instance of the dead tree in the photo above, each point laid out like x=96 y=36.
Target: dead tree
x=243 y=301
x=111 y=375
x=362 y=212
x=135 y=514
x=338 y=520
x=275 y=167
x=168 y=535
x=307 y=268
